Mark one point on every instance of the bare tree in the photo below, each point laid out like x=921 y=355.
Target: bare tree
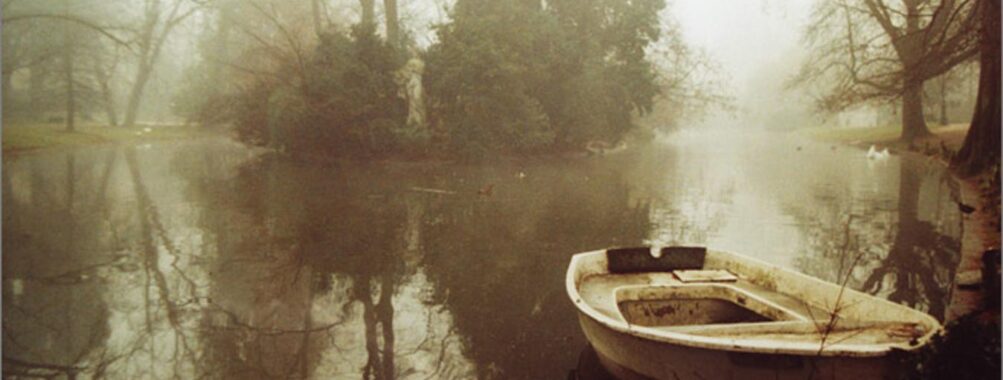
x=393 y=25
x=368 y=14
x=27 y=44
x=152 y=33
x=104 y=66
x=867 y=50
x=69 y=47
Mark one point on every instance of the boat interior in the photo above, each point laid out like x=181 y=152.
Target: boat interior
x=679 y=290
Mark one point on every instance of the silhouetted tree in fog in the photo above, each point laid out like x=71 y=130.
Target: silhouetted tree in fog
x=51 y=40
x=866 y=50
x=159 y=19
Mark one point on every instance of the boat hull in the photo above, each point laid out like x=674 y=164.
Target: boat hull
x=631 y=357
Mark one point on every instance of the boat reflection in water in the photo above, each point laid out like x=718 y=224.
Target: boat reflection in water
x=589 y=367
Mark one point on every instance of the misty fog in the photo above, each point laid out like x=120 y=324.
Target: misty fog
x=414 y=189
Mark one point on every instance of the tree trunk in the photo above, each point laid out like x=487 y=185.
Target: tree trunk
x=393 y=29
x=150 y=44
x=221 y=52
x=71 y=98
x=7 y=93
x=71 y=181
x=943 y=99
x=981 y=149
x=71 y=94
x=913 y=122
x=36 y=83
x=315 y=10
x=108 y=98
x=367 y=12
x=136 y=95
x=109 y=104
x=385 y=313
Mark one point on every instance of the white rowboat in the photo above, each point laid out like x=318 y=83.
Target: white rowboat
x=692 y=313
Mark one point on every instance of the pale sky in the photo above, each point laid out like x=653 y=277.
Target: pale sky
x=756 y=43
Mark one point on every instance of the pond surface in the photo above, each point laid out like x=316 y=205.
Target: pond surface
x=206 y=260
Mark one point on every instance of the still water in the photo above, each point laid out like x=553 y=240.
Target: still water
x=208 y=260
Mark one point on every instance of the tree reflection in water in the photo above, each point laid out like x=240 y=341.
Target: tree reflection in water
x=355 y=253
x=51 y=323
x=908 y=249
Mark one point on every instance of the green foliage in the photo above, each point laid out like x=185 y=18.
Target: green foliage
x=482 y=75
x=198 y=98
x=611 y=75
x=345 y=104
x=515 y=76
x=251 y=114
x=503 y=77
x=353 y=103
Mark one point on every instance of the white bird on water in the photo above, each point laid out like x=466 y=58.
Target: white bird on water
x=874 y=154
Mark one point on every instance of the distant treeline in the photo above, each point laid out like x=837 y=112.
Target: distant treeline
x=502 y=77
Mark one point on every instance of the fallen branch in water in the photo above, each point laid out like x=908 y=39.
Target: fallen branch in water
x=433 y=191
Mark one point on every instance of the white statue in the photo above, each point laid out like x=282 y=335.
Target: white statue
x=410 y=79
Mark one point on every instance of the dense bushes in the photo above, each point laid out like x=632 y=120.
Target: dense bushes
x=352 y=102
x=485 y=76
x=346 y=102
x=515 y=76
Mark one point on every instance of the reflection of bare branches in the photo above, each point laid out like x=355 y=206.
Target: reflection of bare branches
x=149 y=219
x=101 y=202
x=918 y=256
x=379 y=362
x=428 y=334
x=385 y=310
x=443 y=344
x=235 y=320
x=24 y=368
x=28 y=368
x=75 y=276
x=10 y=338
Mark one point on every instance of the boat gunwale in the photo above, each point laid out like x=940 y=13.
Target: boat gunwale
x=745 y=344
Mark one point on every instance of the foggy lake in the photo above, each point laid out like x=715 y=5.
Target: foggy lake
x=207 y=259
x=500 y=190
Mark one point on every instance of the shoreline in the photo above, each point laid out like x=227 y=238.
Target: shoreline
x=20 y=140
x=27 y=139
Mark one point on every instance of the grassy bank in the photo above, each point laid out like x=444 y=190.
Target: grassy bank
x=26 y=137
x=953 y=135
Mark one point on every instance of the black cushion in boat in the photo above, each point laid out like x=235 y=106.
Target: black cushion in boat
x=639 y=259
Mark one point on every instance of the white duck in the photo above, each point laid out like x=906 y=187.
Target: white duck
x=874 y=154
